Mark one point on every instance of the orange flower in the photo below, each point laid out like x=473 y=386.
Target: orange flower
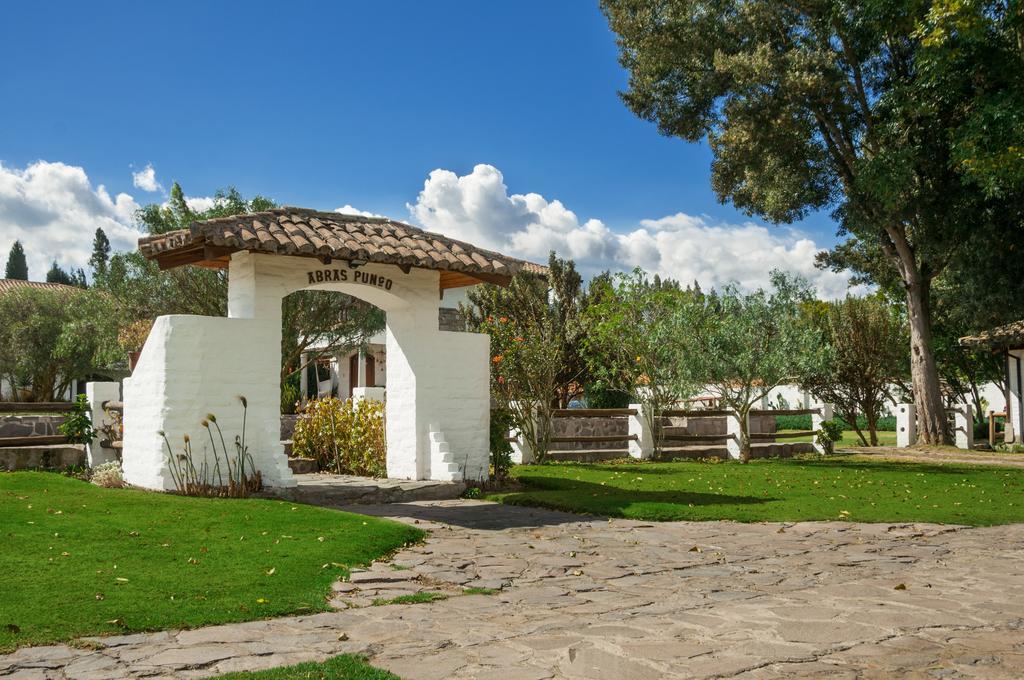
x=501 y=380
x=490 y=319
x=503 y=319
x=497 y=359
x=644 y=379
x=518 y=338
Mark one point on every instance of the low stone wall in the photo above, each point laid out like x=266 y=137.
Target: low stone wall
x=599 y=425
x=717 y=425
x=288 y=421
x=41 y=457
x=28 y=425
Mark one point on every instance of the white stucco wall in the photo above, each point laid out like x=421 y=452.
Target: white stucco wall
x=436 y=381
x=192 y=366
x=1015 y=415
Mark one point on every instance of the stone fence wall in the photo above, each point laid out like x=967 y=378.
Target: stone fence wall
x=608 y=426
x=29 y=425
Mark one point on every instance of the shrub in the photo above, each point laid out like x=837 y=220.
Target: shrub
x=77 y=426
x=831 y=431
x=601 y=397
x=290 y=389
x=345 y=437
x=501 y=448
x=885 y=424
x=108 y=475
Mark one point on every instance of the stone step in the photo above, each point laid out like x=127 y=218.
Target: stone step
x=437 y=437
x=339 y=490
x=440 y=447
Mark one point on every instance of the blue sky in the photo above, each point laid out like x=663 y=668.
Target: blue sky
x=328 y=104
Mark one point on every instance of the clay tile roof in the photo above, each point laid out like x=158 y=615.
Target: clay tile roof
x=1010 y=336
x=9 y=285
x=298 y=231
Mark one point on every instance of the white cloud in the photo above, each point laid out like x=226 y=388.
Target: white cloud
x=54 y=210
x=349 y=210
x=478 y=208
x=200 y=204
x=145 y=179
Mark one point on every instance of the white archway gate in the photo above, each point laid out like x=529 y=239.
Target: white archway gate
x=438 y=400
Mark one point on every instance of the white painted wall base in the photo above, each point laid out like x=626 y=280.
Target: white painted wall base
x=97 y=393
x=373 y=393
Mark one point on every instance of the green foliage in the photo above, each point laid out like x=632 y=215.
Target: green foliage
x=100 y=254
x=783 y=490
x=51 y=337
x=181 y=562
x=597 y=396
x=17 y=265
x=344 y=667
x=830 y=432
x=636 y=343
x=501 y=449
x=884 y=424
x=77 y=425
x=741 y=346
x=345 y=437
x=291 y=386
x=58 y=275
x=535 y=360
x=901 y=117
x=413 y=598
x=866 y=340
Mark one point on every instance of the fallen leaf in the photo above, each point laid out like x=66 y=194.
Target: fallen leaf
x=343 y=636
x=900 y=586
x=271 y=572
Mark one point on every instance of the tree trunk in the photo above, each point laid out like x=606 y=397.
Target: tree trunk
x=872 y=418
x=924 y=373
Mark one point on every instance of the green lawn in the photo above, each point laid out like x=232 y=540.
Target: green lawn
x=80 y=560
x=346 y=667
x=778 y=490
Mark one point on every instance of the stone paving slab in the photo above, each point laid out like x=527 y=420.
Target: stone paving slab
x=596 y=598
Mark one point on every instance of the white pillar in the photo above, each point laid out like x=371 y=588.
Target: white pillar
x=732 y=428
x=303 y=378
x=643 y=447
x=824 y=412
x=361 y=368
x=98 y=393
x=964 y=426
x=906 y=425
x=522 y=448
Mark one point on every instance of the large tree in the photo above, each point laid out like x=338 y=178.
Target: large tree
x=875 y=110
x=17 y=265
x=51 y=337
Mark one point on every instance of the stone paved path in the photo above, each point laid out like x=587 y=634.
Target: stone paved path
x=592 y=598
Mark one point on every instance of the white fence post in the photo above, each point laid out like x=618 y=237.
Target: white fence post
x=643 y=447
x=963 y=420
x=906 y=425
x=825 y=412
x=99 y=393
x=732 y=428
